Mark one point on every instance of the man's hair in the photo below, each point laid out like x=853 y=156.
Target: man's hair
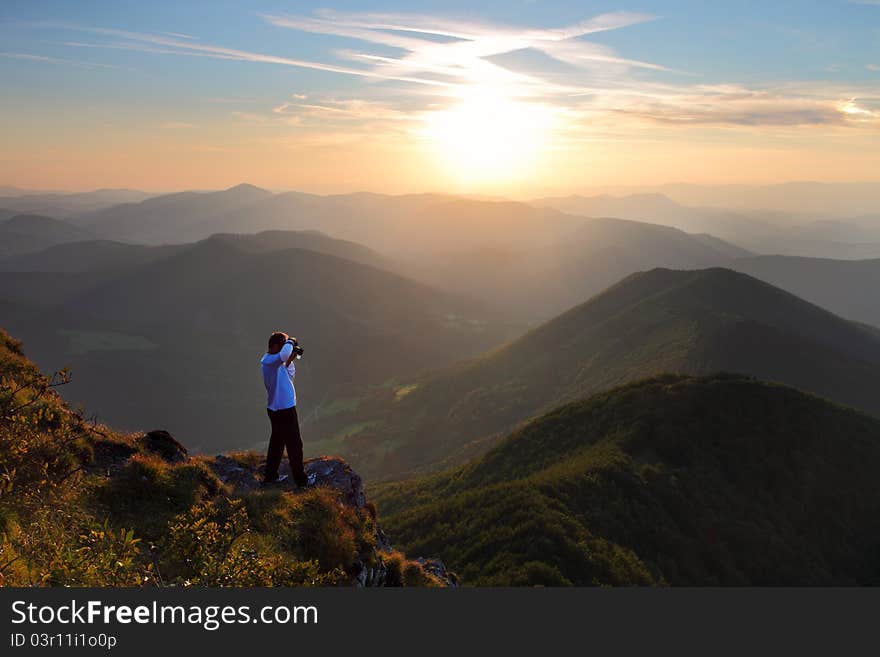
x=277 y=338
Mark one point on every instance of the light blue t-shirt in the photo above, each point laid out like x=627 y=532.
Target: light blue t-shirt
x=279 y=386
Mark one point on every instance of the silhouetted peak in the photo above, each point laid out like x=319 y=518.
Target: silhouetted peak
x=247 y=188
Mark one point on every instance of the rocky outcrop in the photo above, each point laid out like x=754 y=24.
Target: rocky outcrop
x=164 y=445
x=370 y=576
x=438 y=569
x=337 y=474
x=332 y=472
x=232 y=473
x=379 y=574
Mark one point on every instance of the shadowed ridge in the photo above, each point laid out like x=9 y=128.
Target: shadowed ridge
x=721 y=480
x=691 y=322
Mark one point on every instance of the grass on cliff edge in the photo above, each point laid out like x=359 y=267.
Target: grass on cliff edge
x=82 y=505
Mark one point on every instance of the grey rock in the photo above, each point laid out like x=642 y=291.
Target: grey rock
x=438 y=569
x=164 y=445
x=230 y=472
x=335 y=473
x=330 y=471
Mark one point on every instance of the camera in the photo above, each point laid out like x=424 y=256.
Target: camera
x=297 y=350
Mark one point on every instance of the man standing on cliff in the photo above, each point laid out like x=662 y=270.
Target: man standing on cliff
x=281 y=406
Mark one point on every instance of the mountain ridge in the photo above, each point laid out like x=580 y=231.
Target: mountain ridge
x=721 y=480
x=207 y=311
x=692 y=322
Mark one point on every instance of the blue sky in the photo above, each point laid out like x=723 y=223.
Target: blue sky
x=304 y=70
x=744 y=41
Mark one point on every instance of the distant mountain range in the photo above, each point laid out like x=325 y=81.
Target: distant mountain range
x=421 y=222
x=95 y=255
x=658 y=208
x=538 y=282
x=426 y=281
x=62 y=204
x=807 y=233
x=169 y=218
x=176 y=338
x=846 y=287
x=694 y=322
x=674 y=480
x=800 y=197
x=29 y=233
x=528 y=261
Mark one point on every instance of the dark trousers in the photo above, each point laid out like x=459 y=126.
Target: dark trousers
x=285 y=433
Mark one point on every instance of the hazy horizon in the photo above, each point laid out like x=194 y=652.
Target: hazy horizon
x=585 y=190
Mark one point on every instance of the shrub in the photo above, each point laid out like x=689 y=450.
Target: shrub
x=312 y=525
x=147 y=492
x=405 y=572
x=212 y=545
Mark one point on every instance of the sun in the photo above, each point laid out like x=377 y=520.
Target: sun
x=488 y=139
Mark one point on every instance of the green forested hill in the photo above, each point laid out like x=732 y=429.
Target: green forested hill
x=692 y=322
x=687 y=481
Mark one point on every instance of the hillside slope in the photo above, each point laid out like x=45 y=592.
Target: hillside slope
x=694 y=322
x=139 y=511
x=688 y=481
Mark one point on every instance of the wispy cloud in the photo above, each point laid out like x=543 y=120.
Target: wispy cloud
x=362 y=118
x=461 y=52
x=180 y=35
x=161 y=44
x=53 y=60
x=590 y=84
x=599 y=86
x=736 y=106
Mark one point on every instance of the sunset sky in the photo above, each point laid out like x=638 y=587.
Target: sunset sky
x=521 y=97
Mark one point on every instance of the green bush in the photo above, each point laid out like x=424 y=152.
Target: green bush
x=405 y=572
x=212 y=545
x=147 y=492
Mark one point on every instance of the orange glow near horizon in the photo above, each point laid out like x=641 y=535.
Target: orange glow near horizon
x=489 y=145
x=403 y=102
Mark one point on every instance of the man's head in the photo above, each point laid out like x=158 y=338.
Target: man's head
x=276 y=341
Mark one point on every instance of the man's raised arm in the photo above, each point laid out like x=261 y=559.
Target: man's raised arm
x=286 y=351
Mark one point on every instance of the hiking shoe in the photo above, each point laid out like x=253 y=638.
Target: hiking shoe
x=273 y=482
